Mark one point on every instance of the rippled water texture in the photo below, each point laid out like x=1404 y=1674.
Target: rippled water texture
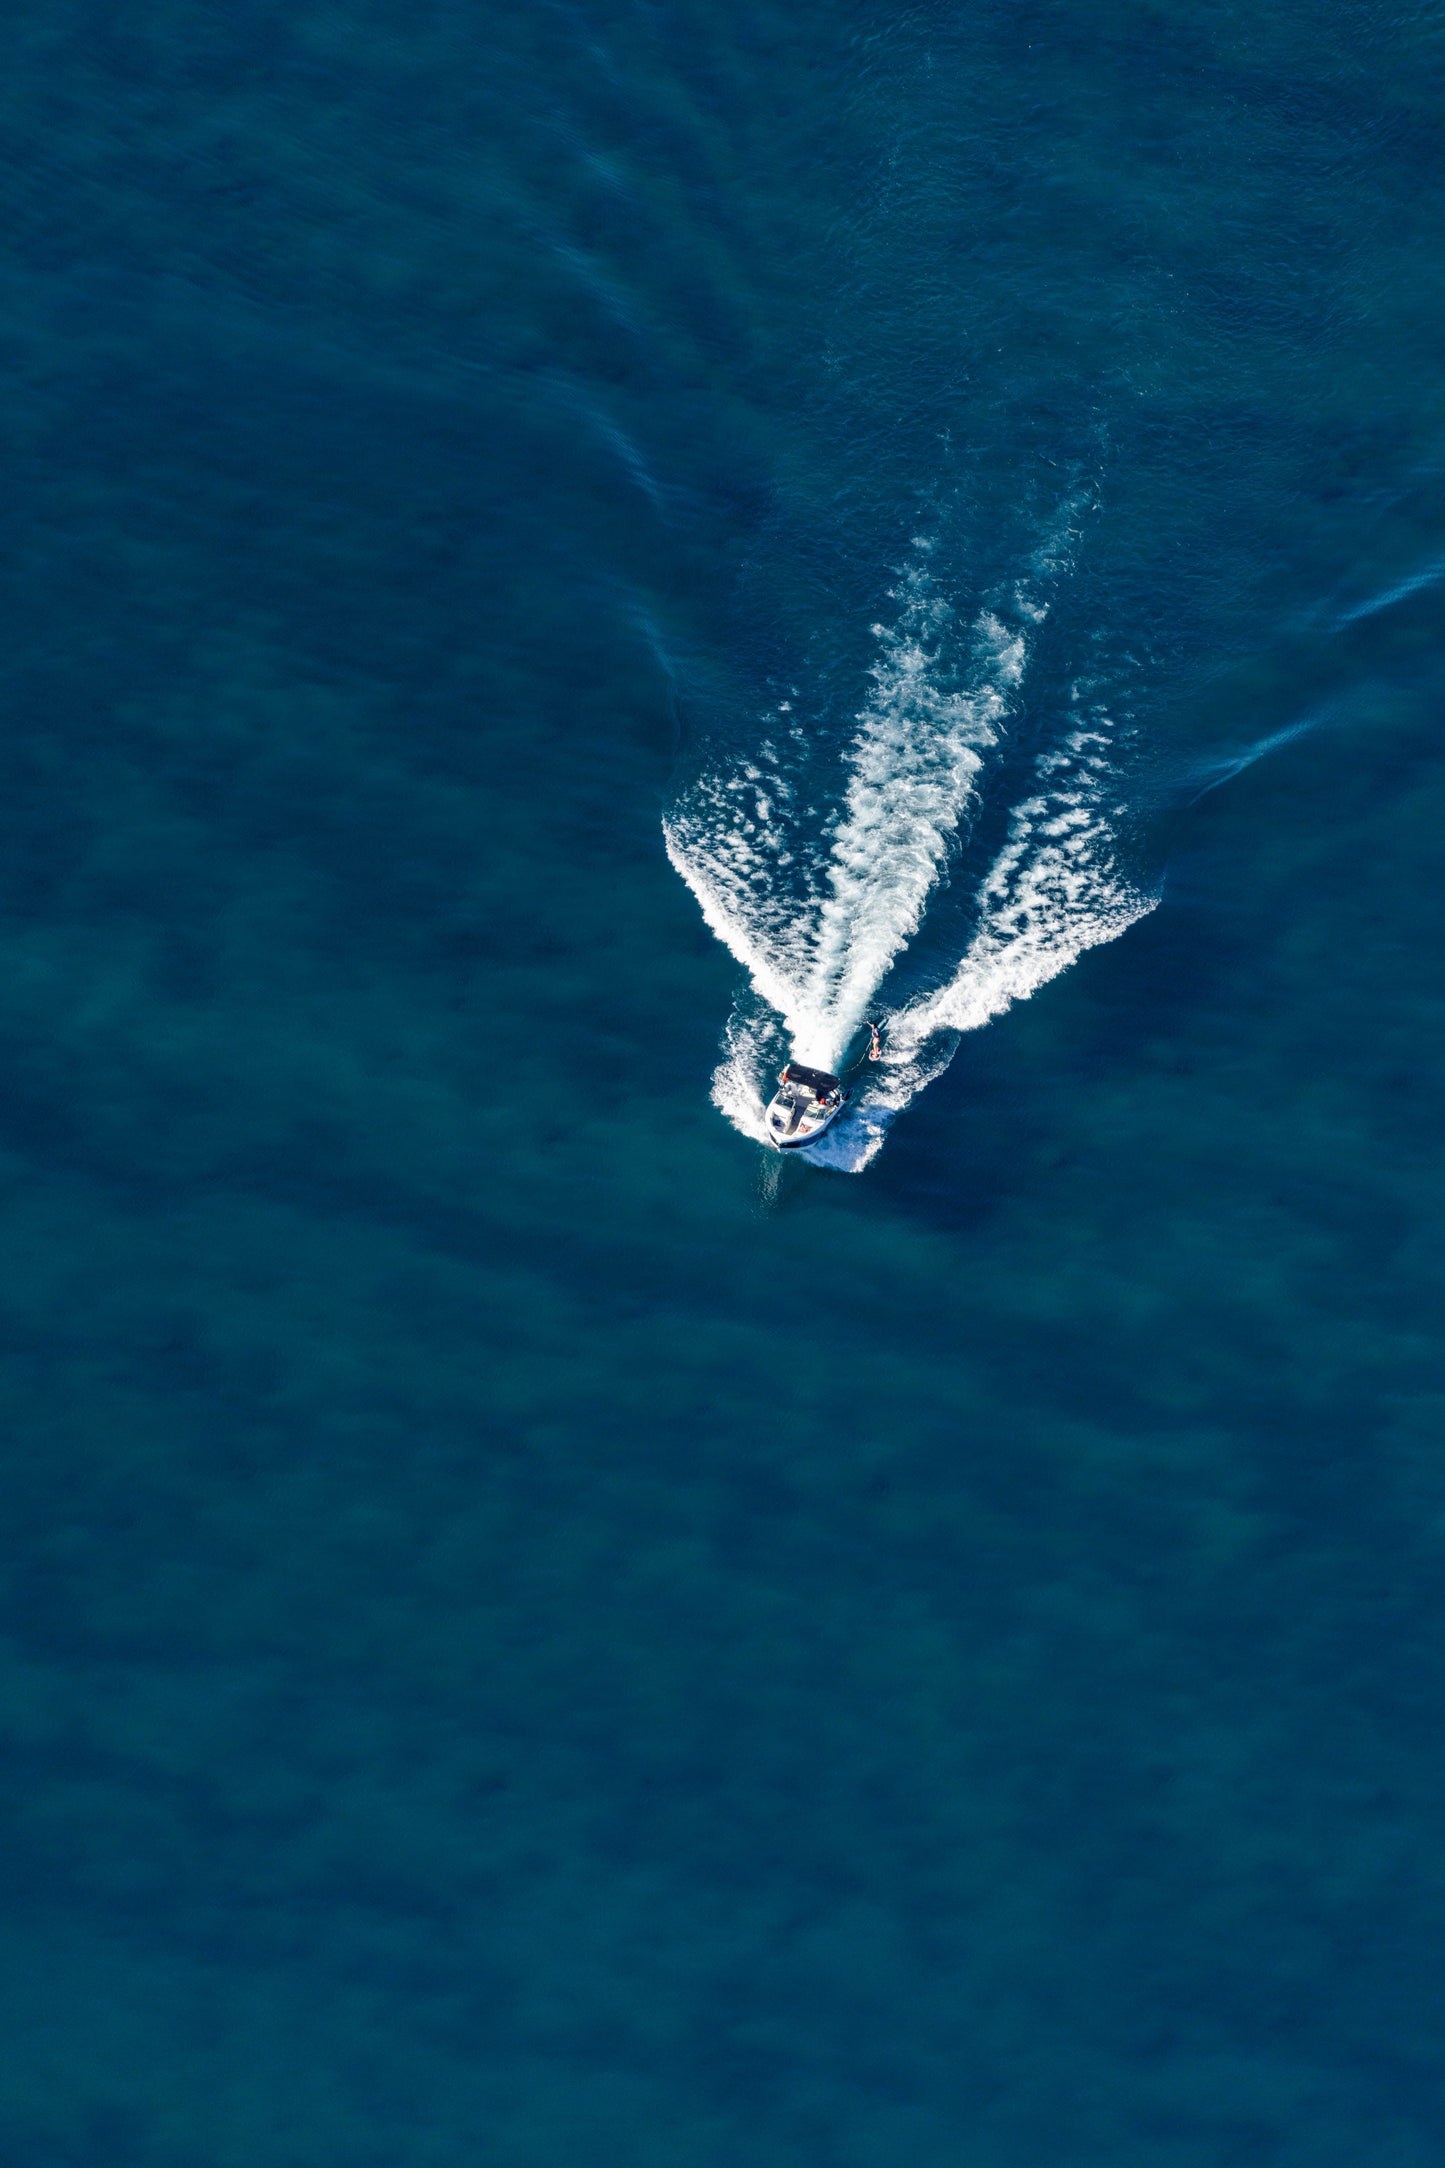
x=555 y=556
x=1100 y=365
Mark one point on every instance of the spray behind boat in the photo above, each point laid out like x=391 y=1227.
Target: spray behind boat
x=808 y=1100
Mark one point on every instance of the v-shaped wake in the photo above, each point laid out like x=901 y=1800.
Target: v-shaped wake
x=817 y=905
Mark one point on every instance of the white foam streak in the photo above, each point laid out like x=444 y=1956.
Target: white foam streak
x=737 y=1079
x=719 y=900
x=818 y=936
x=729 y=840
x=919 y=749
x=818 y=940
x=1054 y=890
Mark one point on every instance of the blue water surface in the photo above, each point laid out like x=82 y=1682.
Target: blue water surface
x=530 y=1633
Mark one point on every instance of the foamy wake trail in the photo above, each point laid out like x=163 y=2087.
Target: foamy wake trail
x=817 y=938
x=919 y=748
x=818 y=932
x=1055 y=889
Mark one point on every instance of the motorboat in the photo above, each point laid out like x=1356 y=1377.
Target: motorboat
x=806 y=1102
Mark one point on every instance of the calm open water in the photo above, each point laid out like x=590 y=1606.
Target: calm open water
x=534 y=1635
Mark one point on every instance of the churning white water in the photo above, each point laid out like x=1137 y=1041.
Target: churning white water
x=817 y=903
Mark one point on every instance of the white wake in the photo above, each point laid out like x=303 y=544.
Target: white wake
x=818 y=910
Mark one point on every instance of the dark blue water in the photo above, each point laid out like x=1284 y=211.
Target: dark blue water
x=533 y=1633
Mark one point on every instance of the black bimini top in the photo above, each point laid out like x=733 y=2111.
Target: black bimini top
x=817 y=1080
